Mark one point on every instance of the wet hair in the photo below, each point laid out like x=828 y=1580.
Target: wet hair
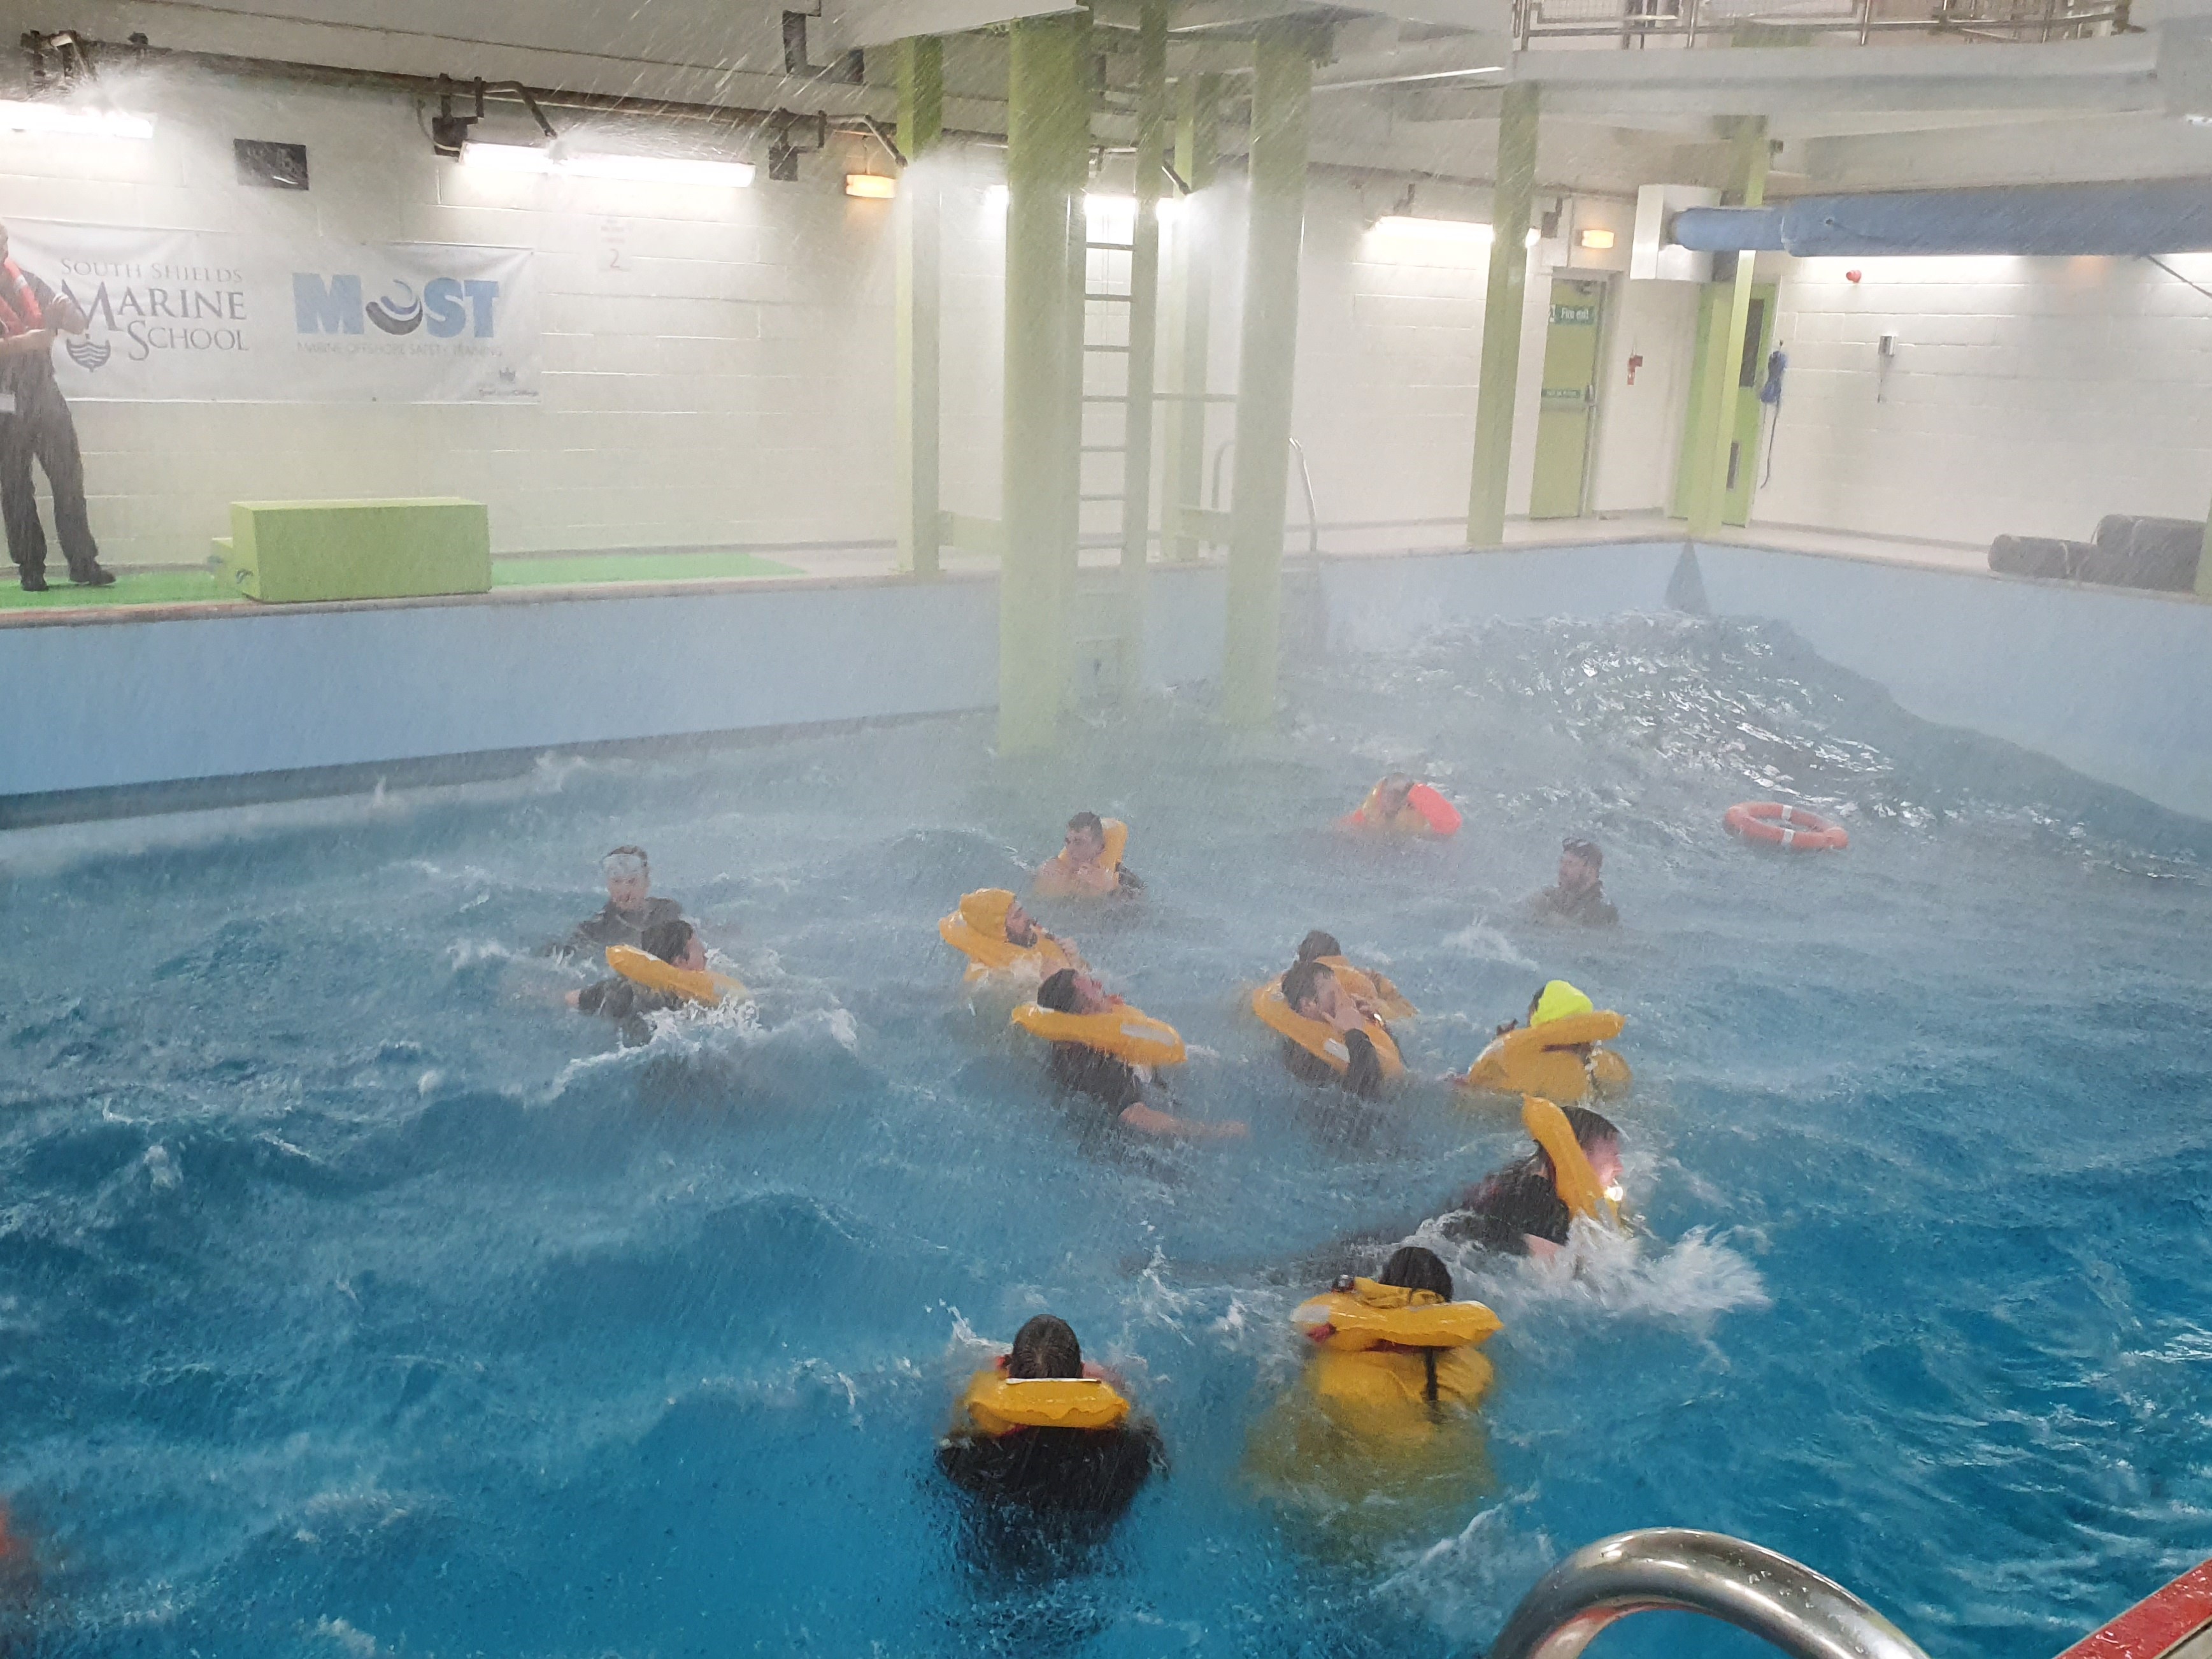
x=1302 y=983
x=1591 y=1128
x=1586 y=851
x=1090 y=822
x=1318 y=944
x=1413 y=1268
x=1536 y=1002
x=621 y=858
x=667 y=939
x=1046 y=1346
x=1058 y=991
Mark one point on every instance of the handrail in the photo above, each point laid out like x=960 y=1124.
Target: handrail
x=1675 y=1568
x=1305 y=478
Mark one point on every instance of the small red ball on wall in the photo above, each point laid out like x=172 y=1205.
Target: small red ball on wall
x=1853 y=276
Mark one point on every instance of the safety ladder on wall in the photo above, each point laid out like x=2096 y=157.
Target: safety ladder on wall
x=1097 y=615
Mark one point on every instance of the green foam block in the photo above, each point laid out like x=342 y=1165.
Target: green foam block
x=287 y=552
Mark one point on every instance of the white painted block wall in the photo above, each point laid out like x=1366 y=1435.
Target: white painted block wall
x=2029 y=396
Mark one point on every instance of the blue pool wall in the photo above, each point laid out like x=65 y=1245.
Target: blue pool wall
x=2116 y=685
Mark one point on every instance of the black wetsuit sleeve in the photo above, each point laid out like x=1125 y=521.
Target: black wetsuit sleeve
x=597 y=998
x=1305 y=1067
x=1365 y=1078
x=1517 y=1204
x=1130 y=884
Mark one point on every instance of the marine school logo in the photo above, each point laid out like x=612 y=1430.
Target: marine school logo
x=88 y=353
x=444 y=308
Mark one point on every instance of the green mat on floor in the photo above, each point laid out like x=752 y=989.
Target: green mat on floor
x=132 y=588
x=569 y=570
x=181 y=587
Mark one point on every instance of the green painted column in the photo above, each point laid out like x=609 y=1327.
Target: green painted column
x=1282 y=91
x=1143 y=334
x=1182 y=444
x=1047 y=129
x=917 y=215
x=1504 y=303
x=1721 y=373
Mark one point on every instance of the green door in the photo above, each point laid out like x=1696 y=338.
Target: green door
x=1570 y=400
x=1750 y=370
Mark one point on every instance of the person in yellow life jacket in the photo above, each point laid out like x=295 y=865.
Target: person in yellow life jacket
x=627 y=1002
x=1557 y=1053
x=998 y=937
x=1043 y=1433
x=1402 y=805
x=1129 y=1094
x=1329 y=1038
x=1371 y=993
x=1520 y=1210
x=1089 y=863
x=1380 y=1438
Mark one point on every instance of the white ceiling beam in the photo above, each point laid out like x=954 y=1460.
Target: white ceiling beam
x=846 y=24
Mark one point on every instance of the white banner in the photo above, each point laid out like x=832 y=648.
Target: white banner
x=201 y=316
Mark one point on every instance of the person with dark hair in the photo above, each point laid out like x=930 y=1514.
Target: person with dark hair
x=1518 y=1210
x=1578 y=899
x=1311 y=992
x=35 y=424
x=1400 y=804
x=1089 y=863
x=1046 y=1435
x=626 y=1002
x=1131 y=1095
x=631 y=907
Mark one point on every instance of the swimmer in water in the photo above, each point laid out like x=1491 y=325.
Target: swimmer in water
x=1312 y=992
x=1092 y=1473
x=626 y=1002
x=630 y=908
x=1578 y=899
x=1081 y=869
x=1518 y=1210
x=1401 y=804
x=1130 y=1094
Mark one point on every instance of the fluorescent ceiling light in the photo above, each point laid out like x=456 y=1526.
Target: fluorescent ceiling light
x=1094 y=202
x=871 y=186
x=1432 y=230
x=74 y=119
x=643 y=170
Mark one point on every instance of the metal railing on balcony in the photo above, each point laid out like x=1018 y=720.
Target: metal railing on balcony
x=1680 y=23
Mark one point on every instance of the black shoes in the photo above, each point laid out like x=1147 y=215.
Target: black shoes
x=34 y=582
x=92 y=574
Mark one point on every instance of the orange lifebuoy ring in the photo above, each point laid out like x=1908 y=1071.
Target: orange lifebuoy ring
x=1779 y=825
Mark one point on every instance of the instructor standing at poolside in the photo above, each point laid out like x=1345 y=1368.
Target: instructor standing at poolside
x=35 y=421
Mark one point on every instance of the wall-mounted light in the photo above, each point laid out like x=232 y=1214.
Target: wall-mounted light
x=643 y=169
x=1595 y=237
x=871 y=186
x=73 y=120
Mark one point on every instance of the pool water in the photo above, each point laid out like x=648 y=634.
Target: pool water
x=356 y=1298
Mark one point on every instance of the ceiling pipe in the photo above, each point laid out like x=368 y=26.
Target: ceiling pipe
x=2048 y=220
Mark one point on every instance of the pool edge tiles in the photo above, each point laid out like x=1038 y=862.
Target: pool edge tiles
x=313 y=700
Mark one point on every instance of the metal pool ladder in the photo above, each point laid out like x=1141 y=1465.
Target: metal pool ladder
x=1675 y=1568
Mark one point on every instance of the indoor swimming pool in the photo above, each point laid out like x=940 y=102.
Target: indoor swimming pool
x=355 y=1297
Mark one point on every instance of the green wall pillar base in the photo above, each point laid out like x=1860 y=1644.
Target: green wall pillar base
x=1505 y=301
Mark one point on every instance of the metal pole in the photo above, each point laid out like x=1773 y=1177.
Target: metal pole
x=1198 y=158
x=1143 y=334
x=921 y=125
x=1047 y=128
x=1663 y=1569
x=1503 y=301
x=1282 y=90
x=1723 y=368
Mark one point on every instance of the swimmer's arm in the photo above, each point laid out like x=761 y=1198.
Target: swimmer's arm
x=574 y=999
x=1145 y=1120
x=1540 y=1249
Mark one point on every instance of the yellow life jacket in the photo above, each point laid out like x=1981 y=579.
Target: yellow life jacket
x=997 y=1404
x=1320 y=1039
x=1365 y=1371
x=1541 y=1059
x=988 y=955
x=1125 y=1033
x=1377 y=992
x=1572 y=1177
x=643 y=968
